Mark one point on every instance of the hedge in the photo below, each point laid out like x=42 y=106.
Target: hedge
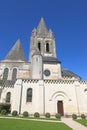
x=36 y=114
x=47 y=115
x=14 y=113
x=25 y=114
x=58 y=116
x=74 y=116
x=5 y=106
x=83 y=116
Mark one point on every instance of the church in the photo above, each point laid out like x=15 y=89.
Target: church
x=40 y=84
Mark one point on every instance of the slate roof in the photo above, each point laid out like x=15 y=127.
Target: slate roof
x=68 y=73
x=16 y=53
x=42 y=29
x=7 y=83
x=50 y=60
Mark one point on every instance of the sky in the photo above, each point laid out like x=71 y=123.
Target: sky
x=66 y=18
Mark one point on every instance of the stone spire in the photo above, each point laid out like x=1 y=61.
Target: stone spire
x=42 y=29
x=16 y=53
x=42 y=41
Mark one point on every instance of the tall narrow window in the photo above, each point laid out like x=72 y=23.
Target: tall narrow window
x=29 y=95
x=14 y=74
x=47 y=47
x=0 y=92
x=5 y=74
x=8 y=97
x=39 y=46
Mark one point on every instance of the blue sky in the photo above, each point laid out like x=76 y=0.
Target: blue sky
x=66 y=18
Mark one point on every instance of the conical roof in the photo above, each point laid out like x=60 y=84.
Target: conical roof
x=16 y=53
x=42 y=29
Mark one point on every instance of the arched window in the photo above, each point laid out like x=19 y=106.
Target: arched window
x=8 y=97
x=14 y=74
x=47 y=47
x=5 y=74
x=39 y=46
x=29 y=95
x=0 y=92
x=85 y=90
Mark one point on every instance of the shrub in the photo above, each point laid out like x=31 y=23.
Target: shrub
x=1 y=108
x=47 y=115
x=5 y=106
x=14 y=113
x=25 y=114
x=3 y=112
x=58 y=116
x=83 y=116
x=36 y=114
x=74 y=116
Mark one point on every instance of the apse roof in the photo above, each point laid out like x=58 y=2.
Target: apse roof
x=68 y=73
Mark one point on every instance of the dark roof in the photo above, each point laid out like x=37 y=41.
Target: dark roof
x=50 y=60
x=42 y=29
x=16 y=53
x=7 y=83
x=68 y=73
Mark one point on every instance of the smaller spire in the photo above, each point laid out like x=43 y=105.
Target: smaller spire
x=16 y=53
x=42 y=29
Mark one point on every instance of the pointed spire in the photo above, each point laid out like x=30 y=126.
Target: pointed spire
x=16 y=53
x=42 y=29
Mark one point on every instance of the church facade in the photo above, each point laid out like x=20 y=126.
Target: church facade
x=41 y=84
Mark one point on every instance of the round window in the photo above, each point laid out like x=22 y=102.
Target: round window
x=47 y=72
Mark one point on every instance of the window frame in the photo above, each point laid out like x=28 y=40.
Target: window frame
x=14 y=74
x=39 y=46
x=47 y=47
x=8 y=97
x=5 y=73
x=29 y=95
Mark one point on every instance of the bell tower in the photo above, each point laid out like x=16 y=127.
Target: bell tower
x=44 y=64
x=42 y=41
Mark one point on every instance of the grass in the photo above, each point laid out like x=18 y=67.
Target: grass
x=15 y=124
x=82 y=121
x=55 y=119
x=32 y=117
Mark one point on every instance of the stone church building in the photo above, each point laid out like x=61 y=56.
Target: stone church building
x=40 y=84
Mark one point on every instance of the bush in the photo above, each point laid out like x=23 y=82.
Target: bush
x=36 y=114
x=83 y=116
x=25 y=114
x=1 y=108
x=14 y=113
x=47 y=115
x=5 y=106
x=74 y=116
x=3 y=112
x=58 y=116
